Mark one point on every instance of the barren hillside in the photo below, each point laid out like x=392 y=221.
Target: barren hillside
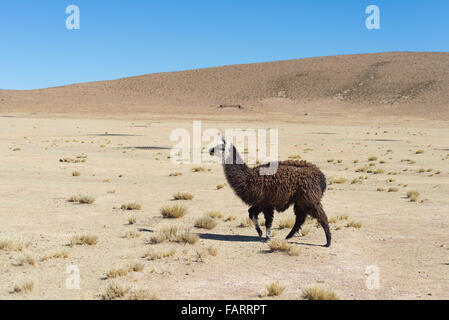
x=415 y=83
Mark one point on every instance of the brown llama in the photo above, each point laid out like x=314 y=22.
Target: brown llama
x=294 y=182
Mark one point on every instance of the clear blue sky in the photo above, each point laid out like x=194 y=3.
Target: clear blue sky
x=121 y=38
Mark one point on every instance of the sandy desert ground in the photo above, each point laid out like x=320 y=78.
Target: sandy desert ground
x=126 y=161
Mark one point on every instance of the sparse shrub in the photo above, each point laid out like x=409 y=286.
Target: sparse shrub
x=246 y=223
x=30 y=260
x=380 y=189
x=419 y=151
x=76 y=174
x=337 y=180
x=183 y=196
x=83 y=240
x=214 y=214
x=230 y=218
x=338 y=218
x=275 y=289
x=173 y=234
x=159 y=254
x=173 y=212
x=131 y=235
x=81 y=199
x=393 y=189
x=13 y=244
x=114 y=291
x=212 y=251
x=280 y=245
x=372 y=158
x=353 y=224
x=287 y=223
x=379 y=171
x=175 y=174
x=198 y=169
x=413 y=195
x=24 y=287
x=142 y=294
x=317 y=293
x=132 y=220
x=131 y=206
x=220 y=186
x=356 y=181
x=55 y=255
x=205 y=223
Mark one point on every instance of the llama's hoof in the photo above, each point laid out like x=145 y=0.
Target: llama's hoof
x=327 y=245
x=260 y=233
x=267 y=239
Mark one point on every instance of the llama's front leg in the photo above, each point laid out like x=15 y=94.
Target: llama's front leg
x=268 y=212
x=254 y=215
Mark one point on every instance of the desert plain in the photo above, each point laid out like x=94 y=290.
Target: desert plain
x=388 y=181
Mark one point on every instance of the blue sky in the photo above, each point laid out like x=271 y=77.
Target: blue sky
x=121 y=38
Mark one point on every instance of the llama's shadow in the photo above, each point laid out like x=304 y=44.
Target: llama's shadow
x=230 y=237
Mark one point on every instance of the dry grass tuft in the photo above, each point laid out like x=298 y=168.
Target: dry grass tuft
x=175 y=174
x=131 y=206
x=183 y=196
x=132 y=220
x=419 y=151
x=198 y=169
x=81 y=199
x=173 y=212
x=317 y=293
x=372 y=158
x=275 y=289
x=13 y=244
x=55 y=255
x=82 y=240
x=287 y=223
x=114 y=291
x=205 y=223
x=214 y=214
x=76 y=174
x=393 y=189
x=26 y=260
x=353 y=224
x=413 y=195
x=174 y=234
x=337 y=180
x=131 y=235
x=24 y=287
x=281 y=245
x=220 y=186
x=159 y=254
x=142 y=294
x=212 y=251
x=245 y=223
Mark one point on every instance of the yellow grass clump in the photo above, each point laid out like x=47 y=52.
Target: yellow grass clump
x=131 y=206
x=26 y=260
x=214 y=214
x=353 y=224
x=337 y=180
x=205 y=223
x=24 y=287
x=275 y=289
x=287 y=223
x=84 y=239
x=198 y=169
x=114 y=291
x=317 y=293
x=159 y=254
x=13 y=244
x=76 y=174
x=183 y=196
x=55 y=255
x=220 y=186
x=81 y=199
x=173 y=234
x=413 y=195
x=246 y=223
x=280 y=245
x=173 y=212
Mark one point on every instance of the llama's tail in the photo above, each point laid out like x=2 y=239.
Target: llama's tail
x=323 y=184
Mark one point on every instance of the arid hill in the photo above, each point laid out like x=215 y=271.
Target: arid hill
x=387 y=83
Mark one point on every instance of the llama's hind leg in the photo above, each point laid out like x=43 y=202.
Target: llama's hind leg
x=254 y=215
x=300 y=218
x=268 y=212
x=320 y=215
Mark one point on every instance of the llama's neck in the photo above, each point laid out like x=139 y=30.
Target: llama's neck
x=236 y=171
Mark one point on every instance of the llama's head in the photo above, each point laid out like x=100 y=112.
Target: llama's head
x=219 y=150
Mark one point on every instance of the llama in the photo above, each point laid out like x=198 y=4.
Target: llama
x=295 y=182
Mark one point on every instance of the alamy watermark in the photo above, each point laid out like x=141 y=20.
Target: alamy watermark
x=372 y=22
x=73 y=21
x=189 y=147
